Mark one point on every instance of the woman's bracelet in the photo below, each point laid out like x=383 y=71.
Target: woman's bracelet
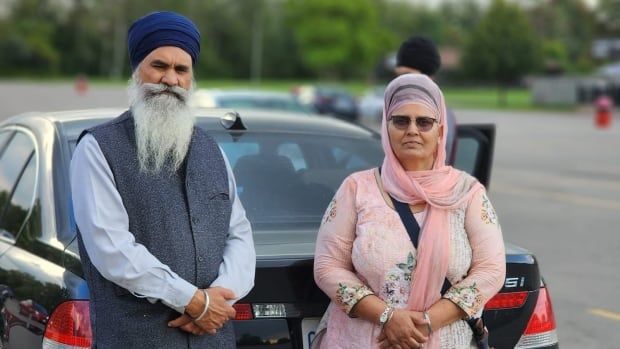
x=204 y=311
x=428 y=322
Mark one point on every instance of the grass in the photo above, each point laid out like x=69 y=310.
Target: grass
x=487 y=98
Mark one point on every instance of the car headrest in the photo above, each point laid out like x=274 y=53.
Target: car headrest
x=264 y=167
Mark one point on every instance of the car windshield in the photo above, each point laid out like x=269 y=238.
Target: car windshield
x=287 y=179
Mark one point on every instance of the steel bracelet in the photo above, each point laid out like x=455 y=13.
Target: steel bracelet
x=207 y=301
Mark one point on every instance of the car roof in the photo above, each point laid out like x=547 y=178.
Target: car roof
x=256 y=120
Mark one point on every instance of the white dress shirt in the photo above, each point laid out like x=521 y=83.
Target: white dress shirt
x=112 y=249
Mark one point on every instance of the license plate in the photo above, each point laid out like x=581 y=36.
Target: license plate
x=308 y=330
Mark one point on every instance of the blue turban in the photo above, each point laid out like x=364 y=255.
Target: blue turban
x=162 y=29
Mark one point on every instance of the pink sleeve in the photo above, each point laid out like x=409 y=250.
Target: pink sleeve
x=488 y=266
x=333 y=268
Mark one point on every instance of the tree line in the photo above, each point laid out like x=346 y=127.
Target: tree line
x=298 y=39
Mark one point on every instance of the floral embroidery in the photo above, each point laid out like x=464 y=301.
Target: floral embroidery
x=488 y=212
x=330 y=213
x=466 y=297
x=398 y=283
x=348 y=296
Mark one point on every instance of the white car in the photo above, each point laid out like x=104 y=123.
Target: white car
x=244 y=99
x=371 y=105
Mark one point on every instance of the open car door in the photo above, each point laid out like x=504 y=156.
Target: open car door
x=474 y=150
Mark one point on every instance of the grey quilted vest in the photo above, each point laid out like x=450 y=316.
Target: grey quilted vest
x=182 y=219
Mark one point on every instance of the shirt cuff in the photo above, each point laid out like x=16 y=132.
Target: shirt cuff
x=178 y=295
x=348 y=296
x=467 y=298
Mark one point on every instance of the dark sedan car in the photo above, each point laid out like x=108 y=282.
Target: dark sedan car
x=287 y=170
x=330 y=100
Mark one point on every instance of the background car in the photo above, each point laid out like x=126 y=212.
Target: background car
x=329 y=100
x=287 y=169
x=255 y=99
x=371 y=105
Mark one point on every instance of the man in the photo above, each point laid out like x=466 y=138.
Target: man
x=164 y=241
x=420 y=55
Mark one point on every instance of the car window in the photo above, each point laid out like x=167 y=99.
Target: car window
x=286 y=178
x=5 y=136
x=17 y=176
x=466 y=155
x=293 y=152
x=19 y=217
x=235 y=151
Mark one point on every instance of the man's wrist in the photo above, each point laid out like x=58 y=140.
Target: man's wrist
x=196 y=304
x=205 y=308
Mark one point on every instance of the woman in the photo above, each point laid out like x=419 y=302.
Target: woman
x=386 y=293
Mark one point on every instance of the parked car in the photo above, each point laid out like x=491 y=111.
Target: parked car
x=329 y=100
x=287 y=169
x=255 y=99
x=371 y=105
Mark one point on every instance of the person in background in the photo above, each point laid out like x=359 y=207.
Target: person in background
x=387 y=287
x=418 y=54
x=164 y=240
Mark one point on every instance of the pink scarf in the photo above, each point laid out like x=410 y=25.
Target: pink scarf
x=442 y=188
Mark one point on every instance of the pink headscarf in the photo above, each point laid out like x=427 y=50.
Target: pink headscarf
x=442 y=188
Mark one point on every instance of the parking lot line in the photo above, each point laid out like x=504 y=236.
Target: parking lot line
x=605 y=313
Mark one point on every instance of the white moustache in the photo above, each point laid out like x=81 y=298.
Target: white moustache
x=164 y=125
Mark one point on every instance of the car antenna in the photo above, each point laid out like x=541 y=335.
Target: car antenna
x=232 y=121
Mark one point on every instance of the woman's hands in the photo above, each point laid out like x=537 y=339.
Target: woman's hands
x=406 y=329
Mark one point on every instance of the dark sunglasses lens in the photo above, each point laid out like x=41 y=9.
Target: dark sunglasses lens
x=401 y=121
x=424 y=124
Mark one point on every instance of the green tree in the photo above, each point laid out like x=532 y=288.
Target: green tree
x=404 y=20
x=459 y=18
x=608 y=14
x=338 y=39
x=77 y=38
x=569 y=23
x=502 y=48
x=26 y=39
x=555 y=57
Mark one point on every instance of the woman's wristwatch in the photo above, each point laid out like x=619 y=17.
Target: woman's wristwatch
x=385 y=316
x=428 y=322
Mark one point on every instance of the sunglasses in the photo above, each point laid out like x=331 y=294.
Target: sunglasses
x=423 y=123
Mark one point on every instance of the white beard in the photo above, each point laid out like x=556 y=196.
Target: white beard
x=164 y=124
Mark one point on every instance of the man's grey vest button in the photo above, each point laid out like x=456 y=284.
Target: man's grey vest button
x=195 y=220
x=200 y=259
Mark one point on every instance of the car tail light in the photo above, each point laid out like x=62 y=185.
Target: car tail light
x=69 y=327
x=541 y=329
x=244 y=311
x=509 y=300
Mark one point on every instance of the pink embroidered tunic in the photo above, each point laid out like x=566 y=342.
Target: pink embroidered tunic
x=363 y=249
